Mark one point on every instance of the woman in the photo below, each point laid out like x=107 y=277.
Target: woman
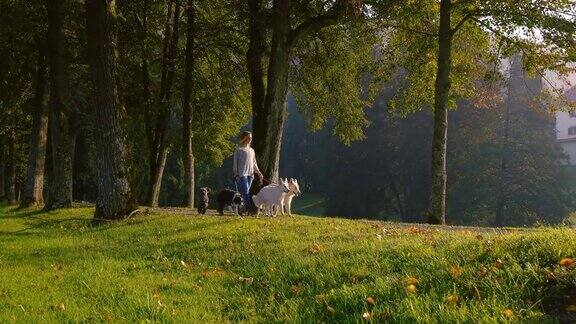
x=245 y=166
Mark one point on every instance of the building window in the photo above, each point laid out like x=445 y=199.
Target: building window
x=572 y=130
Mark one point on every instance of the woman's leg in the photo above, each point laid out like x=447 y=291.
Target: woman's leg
x=244 y=189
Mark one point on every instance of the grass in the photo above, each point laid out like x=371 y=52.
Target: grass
x=310 y=204
x=175 y=268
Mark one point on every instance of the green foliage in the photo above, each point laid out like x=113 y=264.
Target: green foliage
x=220 y=94
x=485 y=33
x=169 y=267
x=412 y=51
x=222 y=91
x=335 y=76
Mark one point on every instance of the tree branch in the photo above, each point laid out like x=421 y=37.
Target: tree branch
x=518 y=45
x=461 y=22
x=314 y=24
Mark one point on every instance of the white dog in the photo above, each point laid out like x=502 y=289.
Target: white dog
x=271 y=198
x=294 y=191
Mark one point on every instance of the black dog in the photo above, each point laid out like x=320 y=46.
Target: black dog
x=203 y=200
x=227 y=197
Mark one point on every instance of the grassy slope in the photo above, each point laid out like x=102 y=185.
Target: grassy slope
x=176 y=268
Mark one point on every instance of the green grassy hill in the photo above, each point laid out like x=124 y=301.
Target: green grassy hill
x=161 y=266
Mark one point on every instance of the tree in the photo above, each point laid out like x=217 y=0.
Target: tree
x=32 y=191
x=530 y=183
x=219 y=93
x=548 y=35
x=11 y=172
x=60 y=195
x=2 y=169
x=188 y=108
x=115 y=198
x=158 y=126
x=385 y=174
x=269 y=81
x=439 y=139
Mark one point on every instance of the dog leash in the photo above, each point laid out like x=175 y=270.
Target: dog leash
x=264 y=180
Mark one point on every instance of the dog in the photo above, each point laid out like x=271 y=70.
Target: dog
x=229 y=198
x=270 y=198
x=294 y=192
x=203 y=200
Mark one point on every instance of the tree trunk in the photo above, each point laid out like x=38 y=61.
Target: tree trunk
x=188 y=109
x=61 y=184
x=32 y=192
x=11 y=172
x=437 y=210
x=160 y=147
x=2 y=169
x=157 y=172
x=269 y=114
x=115 y=198
x=146 y=93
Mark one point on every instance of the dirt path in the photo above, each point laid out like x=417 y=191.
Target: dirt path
x=478 y=229
x=212 y=212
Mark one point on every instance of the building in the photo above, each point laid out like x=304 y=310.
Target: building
x=566 y=129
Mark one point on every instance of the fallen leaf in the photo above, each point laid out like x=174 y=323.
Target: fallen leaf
x=415 y=230
x=411 y=289
x=378 y=236
x=315 y=248
x=456 y=272
x=452 y=298
x=183 y=263
x=247 y=280
x=370 y=300
x=571 y=308
x=567 y=262
x=296 y=289
x=550 y=274
x=498 y=264
x=411 y=281
x=214 y=272
x=508 y=313
x=482 y=272
x=366 y=315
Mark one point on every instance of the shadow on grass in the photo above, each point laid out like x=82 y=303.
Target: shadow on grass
x=557 y=301
x=16 y=212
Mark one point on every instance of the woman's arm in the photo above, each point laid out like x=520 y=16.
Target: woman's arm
x=235 y=164
x=255 y=163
